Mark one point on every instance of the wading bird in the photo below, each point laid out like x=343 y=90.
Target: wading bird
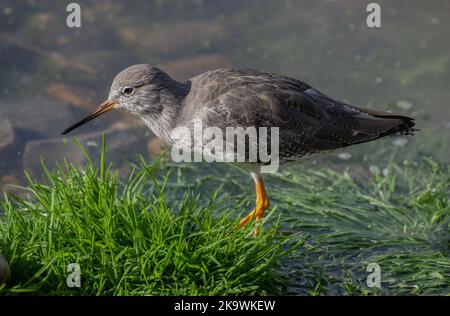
x=309 y=121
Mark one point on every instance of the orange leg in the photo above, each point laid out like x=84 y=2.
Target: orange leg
x=262 y=203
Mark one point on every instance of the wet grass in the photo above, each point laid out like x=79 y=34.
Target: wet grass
x=171 y=230
x=397 y=217
x=394 y=215
x=127 y=240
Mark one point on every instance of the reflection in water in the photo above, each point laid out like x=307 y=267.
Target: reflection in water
x=52 y=75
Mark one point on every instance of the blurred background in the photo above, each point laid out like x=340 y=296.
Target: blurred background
x=52 y=75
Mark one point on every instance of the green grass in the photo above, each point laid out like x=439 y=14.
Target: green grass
x=171 y=229
x=128 y=241
x=398 y=218
x=396 y=215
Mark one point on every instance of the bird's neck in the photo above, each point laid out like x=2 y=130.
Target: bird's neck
x=163 y=120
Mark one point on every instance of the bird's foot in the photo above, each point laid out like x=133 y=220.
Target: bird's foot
x=247 y=219
x=262 y=203
x=257 y=213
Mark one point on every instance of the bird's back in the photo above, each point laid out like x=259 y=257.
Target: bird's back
x=308 y=120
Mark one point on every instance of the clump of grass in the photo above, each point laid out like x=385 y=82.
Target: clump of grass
x=128 y=241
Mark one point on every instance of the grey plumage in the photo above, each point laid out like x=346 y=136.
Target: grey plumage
x=308 y=120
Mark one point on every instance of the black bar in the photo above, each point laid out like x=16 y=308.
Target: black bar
x=220 y=305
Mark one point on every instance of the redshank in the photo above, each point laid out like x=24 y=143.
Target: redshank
x=308 y=121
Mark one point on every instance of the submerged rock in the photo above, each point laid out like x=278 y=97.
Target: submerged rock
x=41 y=116
x=185 y=68
x=6 y=133
x=107 y=63
x=156 y=146
x=77 y=96
x=12 y=185
x=174 y=39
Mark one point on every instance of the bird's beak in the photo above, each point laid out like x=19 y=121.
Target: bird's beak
x=106 y=106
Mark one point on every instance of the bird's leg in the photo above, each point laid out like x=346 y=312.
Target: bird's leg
x=262 y=203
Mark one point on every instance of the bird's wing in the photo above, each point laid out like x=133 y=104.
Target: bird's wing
x=353 y=124
x=315 y=122
x=308 y=120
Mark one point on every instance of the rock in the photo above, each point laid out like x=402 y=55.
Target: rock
x=80 y=97
x=51 y=26
x=12 y=185
x=27 y=45
x=107 y=63
x=186 y=68
x=41 y=116
x=174 y=39
x=156 y=146
x=6 y=133
x=5 y=272
x=8 y=183
x=122 y=145
x=9 y=179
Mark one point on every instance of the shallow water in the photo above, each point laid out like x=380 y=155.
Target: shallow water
x=51 y=75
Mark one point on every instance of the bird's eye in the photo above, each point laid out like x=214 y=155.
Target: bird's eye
x=127 y=90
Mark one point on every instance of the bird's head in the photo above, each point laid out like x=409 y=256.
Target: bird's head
x=135 y=89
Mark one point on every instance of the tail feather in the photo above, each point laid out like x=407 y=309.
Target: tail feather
x=389 y=124
x=405 y=124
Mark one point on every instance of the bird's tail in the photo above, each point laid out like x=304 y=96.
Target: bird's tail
x=391 y=124
x=405 y=125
